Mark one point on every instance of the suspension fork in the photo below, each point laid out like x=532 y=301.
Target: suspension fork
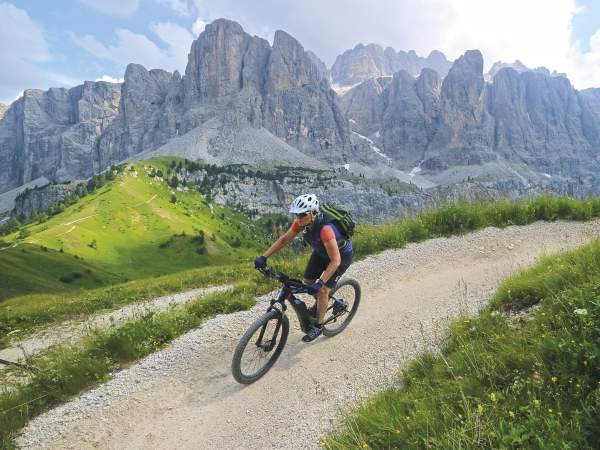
x=271 y=344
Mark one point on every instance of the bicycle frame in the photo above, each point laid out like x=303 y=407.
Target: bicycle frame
x=299 y=307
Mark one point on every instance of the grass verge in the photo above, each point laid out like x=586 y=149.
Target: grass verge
x=501 y=381
x=68 y=369
x=22 y=313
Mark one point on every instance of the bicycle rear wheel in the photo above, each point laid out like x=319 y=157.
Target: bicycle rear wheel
x=347 y=292
x=260 y=346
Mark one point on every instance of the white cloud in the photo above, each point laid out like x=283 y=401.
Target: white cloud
x=198 y=27
x=23 y=47
x=119 y=8
x=133 y=47
x=583 y=68
x=181 y=7
x=178 y=38
x=538 y=32
x=109 y=79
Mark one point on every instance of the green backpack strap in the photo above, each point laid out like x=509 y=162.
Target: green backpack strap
x=341 y=217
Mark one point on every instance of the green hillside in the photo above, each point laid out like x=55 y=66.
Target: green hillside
x=137 y=226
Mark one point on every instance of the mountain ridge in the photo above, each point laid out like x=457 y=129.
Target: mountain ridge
x=523 y=126
x=243 y=100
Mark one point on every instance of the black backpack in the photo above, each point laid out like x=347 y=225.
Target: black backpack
x=342 y=218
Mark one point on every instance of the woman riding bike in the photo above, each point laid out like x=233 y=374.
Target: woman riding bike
x=331 y=257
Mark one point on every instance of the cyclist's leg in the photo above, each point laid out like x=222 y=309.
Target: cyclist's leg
x=314 y=268
x=344 y=264
x=322 y=301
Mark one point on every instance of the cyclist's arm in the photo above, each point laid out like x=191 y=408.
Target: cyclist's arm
x=330 y=243
x=284 y=240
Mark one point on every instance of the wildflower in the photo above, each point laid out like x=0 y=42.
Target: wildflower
x=365 y=445
x=549 y=410
x=585 y=363
x=479 y=409
x=581 y=311
x=511 y=413
x=536 y=403
x=397 y=431
x=459 y=378
x=493 y=397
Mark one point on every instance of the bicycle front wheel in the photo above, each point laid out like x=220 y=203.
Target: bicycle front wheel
x=260 y=346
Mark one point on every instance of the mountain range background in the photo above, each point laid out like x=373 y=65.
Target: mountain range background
x=437 y=126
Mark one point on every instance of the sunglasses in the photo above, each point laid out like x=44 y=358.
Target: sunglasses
x=301 y=215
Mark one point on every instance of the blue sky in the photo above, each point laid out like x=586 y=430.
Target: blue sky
x=63 y=42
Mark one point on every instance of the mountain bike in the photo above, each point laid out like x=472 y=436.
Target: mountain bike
x=263 y=342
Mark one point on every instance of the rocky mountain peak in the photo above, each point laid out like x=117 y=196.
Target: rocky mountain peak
x=289 y=65
x=321 y=66
x=463 y=86
x=215 y=61
x=519 y=67
x=368 y=61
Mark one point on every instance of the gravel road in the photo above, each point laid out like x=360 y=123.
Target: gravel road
x=72 y=330
x=184 y=397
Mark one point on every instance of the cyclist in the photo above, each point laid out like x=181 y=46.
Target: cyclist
x=331 y=256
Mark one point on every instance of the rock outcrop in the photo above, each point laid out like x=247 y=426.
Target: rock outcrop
x=3 y=109
x=519 y=67
x=258 y=192
x=322 y=69
x=528 y=127
x=238 y=95
x=371 y=61
x=40 y=199
x=53 y=133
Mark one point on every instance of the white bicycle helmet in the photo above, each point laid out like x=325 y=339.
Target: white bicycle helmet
x=304 y=203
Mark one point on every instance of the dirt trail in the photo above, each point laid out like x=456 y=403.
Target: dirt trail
x=185 y=397
x=73 y=330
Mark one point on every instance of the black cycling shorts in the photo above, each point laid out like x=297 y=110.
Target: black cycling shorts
x=317 y=264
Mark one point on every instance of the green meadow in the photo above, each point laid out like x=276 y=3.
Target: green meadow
x=135 y=227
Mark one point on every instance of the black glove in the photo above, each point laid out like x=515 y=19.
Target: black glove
x=260 y=262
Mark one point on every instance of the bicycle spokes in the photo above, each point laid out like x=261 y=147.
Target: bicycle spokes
x=256 y=357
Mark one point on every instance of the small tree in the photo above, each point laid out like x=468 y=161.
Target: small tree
x=174 y=181
x=173 y=198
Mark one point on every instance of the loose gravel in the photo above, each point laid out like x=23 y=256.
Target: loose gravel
x=70 y=331
x=185 y=397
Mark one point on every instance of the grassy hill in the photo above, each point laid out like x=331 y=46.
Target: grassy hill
x=137 y=226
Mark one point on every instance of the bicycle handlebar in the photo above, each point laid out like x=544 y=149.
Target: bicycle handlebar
x=296 y=286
